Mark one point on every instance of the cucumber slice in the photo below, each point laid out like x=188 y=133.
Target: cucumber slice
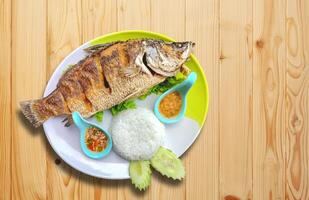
x=140 y=173
x=167 y=163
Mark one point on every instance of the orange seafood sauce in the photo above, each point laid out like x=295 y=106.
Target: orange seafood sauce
x=170 y=105
x=96 y=140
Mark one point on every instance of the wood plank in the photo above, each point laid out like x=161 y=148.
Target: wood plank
x=269 y=65
x=64 y=35
x=133 y=14
x=64 y=30
x=172 y=23
x=99 y=18
x=28 y=167
x=5 y=100
x=202 y=162
x=235 y=97
x=297 y=100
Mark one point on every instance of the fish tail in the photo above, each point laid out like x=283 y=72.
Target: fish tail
x=28 y=108
x=40 y=110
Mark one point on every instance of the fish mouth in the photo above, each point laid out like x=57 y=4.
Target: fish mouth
x=187 y=44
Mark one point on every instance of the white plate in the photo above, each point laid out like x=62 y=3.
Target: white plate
x=65 y=141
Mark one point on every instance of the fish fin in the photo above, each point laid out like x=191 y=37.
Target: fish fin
x=68 y=121
x=130 y=71
x=99 y=47
x=31 y=114
x=185 y=70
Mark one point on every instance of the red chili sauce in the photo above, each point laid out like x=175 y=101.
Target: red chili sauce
x=96 y=140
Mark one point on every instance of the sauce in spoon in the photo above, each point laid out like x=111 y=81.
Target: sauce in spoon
x=170 y=105
x=96 y=140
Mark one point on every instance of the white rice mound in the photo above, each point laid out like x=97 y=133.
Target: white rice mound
x=137 y=134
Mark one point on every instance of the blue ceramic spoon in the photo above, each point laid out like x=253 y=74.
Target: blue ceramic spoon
x=82 y=125
x=183 y=89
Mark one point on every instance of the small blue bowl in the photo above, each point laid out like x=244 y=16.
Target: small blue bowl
x=183 y=89
x=82 y=125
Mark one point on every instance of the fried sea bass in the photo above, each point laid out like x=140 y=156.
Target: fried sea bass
x=109 y=75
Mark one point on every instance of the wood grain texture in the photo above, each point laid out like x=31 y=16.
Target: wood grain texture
x=171 y=22
x=297 y=100
x=64 y=30
x=255 y=54
x=99 y=17
x=133 y=14
x=202 y=160
x=28 y=167
x=235 y=97
x=268 y=99
x=5 y=99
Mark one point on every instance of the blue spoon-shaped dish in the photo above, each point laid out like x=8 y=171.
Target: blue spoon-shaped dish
x=183 y=89
x=82 y=125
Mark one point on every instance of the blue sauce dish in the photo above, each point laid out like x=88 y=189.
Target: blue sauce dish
x=83 y=125
x=183 y=89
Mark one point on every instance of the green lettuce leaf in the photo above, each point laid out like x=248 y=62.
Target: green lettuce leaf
x=144 y=96
x=99 y=116
x=129 y=104
x=165 y=85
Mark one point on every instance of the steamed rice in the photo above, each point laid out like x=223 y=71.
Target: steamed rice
x=137 y=134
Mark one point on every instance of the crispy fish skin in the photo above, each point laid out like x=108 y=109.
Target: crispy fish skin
x=111 y=74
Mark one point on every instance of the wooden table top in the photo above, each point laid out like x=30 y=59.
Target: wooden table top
x=255 y=53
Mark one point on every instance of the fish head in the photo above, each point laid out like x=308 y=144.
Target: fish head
x=166 y=58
